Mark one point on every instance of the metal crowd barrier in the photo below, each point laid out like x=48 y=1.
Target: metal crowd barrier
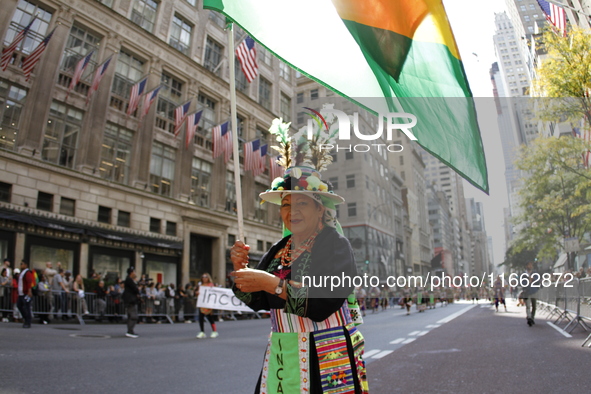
x=62 y=305
x=568 y=302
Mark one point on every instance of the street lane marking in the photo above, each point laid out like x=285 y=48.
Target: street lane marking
x=413 y=333
x=397 y=341
x=371 y=353
x=433 y=326
x=383 y=354
x=409 y=340
x=453 y=316
x=420 y=334
x=560 y=330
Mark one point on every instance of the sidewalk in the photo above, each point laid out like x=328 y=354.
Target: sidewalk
x=483 y=351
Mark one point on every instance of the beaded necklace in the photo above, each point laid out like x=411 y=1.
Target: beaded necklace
x=286 y=255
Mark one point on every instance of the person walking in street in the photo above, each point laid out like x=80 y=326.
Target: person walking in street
x=205 y=313
x=25 y=293
x=529 y=293
x=499 y=293
x=131 y=300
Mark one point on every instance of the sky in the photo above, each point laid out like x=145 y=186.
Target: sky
x=472 y=22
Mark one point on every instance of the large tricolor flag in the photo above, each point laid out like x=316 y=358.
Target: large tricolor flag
x=9 y=50
x=192 y=122
x=180 y=114
x=149 y=98
x=251 y=155
x=222 y=141
x=555 y=15
x=31 y=61
x=385 y=55
x=96 y=79
x=247 y=56
x=79 y=70
x=134 y=98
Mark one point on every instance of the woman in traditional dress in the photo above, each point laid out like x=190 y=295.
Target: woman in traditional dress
x=314 y=345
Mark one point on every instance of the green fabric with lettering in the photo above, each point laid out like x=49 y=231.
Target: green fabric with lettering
x=284 y=354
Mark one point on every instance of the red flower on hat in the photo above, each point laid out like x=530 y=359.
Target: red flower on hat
x=303 y=183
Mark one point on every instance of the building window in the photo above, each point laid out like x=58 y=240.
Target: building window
x=401 y=160
x=123 y=219
x=265 y=93
x=180 y=35
x=314 y=94
x=155 y=225
x=104 y=214
x=241 y=82
x=207 y=122
x=45 y=201
x=284 y=71
x=334 y=156
x=143 y=14
x=335 y=182
x=5 y=191
x=260 y=245
x=171 y=228
x=128 y=72
x=231 y=240
x=25 y=11
x=265 y=56
x=213 y=56
x=12 y=99
x=285 y=108
x=215 y=17
x=67 y=206
x=162 y=169
x=230 y=193
x=116 y=153
x=352 y=209
x=80 y=43
x=61 y=135
x=348 y=155
x=200 y=182
x=168 y=99
x=260 y=211
x=300 y=118
x=350 y=181
x=300 y=98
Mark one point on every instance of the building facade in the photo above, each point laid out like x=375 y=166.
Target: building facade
x=99 y=190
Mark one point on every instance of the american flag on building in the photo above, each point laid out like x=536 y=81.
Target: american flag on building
x=222 y=141
x=554 y=14
x=134 y=98
x=180 y=114
x=96 y=79
x=262 y=160
x=79 y=70
x=251 y=155
x=247 y=56
x=9 y=50
x=31 y=61
x=148 y=100
x=192 y=122
x=276 y=171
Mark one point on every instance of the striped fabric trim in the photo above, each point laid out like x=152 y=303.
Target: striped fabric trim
x=304 y=347
x=265 y=371
x=287 y=322
x=336 y=374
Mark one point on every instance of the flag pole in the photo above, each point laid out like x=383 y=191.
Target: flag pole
x=237 y=182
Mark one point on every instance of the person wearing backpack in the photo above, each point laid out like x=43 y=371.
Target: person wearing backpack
x=26 y=281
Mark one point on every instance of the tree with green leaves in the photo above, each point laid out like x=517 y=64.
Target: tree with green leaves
x=554 y=201
x=564 y=75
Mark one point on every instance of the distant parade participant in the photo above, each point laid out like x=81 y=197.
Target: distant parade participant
x=529 y=294
x=499 y=293
x=131 y=300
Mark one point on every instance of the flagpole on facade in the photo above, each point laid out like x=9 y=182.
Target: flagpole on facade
x=237 y=182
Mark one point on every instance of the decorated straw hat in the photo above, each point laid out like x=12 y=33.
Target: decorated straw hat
x=300 y=180
x=303 y=161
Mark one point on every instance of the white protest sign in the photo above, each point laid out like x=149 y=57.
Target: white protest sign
x=220 y=298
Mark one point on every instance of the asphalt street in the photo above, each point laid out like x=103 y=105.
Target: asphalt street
x=460 y=348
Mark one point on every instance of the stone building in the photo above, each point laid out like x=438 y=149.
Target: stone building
x=98 y=190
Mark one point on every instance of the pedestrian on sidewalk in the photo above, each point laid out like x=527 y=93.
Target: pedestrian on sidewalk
x=529 y=292
x=131 y=300
x=205 y=313
x=499 y=293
